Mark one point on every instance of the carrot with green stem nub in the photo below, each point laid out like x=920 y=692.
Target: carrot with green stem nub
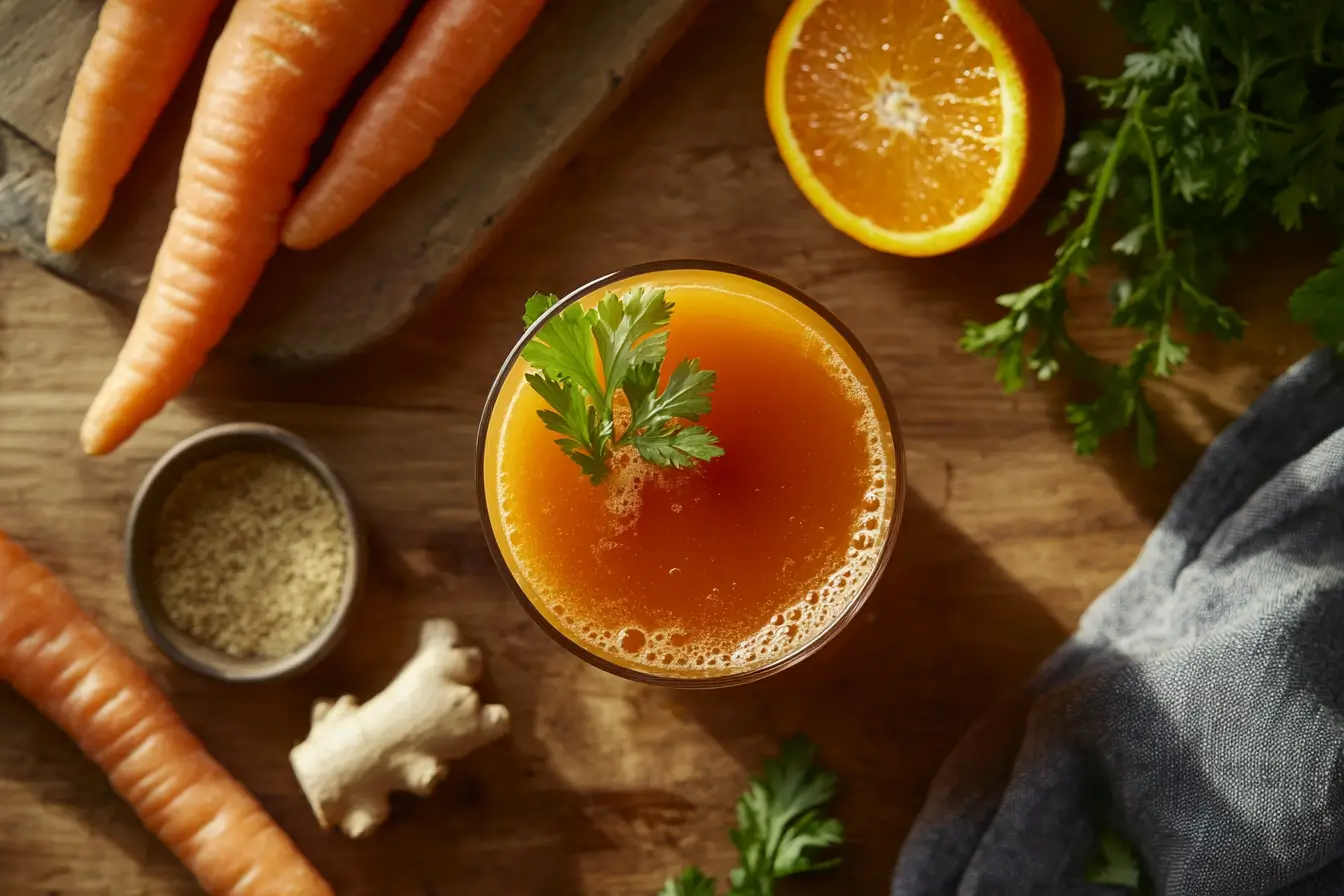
x=451 y=51
x=278 y=69
x=59 y=660
x=136 y=59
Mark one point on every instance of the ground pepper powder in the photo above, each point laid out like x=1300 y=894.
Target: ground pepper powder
x=250 y=554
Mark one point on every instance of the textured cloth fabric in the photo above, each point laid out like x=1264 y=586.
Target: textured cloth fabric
x=1199 y=708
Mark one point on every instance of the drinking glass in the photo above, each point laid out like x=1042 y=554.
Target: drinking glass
x=510 y=380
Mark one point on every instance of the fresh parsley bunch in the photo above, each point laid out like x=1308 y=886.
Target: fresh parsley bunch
x=779 y=826
x=585 y=356
x=1233 y=116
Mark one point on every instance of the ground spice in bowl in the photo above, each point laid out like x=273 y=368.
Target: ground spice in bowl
x=250 y=552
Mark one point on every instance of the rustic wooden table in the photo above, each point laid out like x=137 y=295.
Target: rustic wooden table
x=606 y=787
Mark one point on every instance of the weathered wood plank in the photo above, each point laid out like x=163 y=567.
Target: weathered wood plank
x=41 y=45
x=575 y=65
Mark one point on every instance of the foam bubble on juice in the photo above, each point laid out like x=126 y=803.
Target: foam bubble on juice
x=630 y=475
x=785 y=631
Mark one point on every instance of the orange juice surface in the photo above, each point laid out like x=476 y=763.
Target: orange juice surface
x=740 y=560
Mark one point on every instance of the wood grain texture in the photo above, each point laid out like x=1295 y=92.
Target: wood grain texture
x=605 y=787
x=577 y=62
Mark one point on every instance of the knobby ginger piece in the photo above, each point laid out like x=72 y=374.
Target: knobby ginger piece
x=402 y=739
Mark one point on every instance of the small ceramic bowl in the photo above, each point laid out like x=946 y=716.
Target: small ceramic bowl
x=140 y=545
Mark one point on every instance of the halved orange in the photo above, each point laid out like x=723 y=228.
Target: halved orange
x=915 y=126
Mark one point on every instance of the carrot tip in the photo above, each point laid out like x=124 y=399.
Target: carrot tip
x=298 y=234
x=93 y=440
x=60 y=239
x=100 y=433
x=61 y=242
x=73 y=219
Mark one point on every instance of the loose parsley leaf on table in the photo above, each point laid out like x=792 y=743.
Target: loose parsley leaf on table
x=584 y=357
x=691 y=883
x=1116 y=864
x=780 y=826
x=1233 y=115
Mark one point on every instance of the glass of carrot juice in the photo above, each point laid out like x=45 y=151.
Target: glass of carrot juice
x=723 y=515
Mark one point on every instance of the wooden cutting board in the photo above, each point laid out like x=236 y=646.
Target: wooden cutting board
x=313 y=307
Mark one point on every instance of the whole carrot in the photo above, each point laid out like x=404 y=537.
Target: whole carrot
x=137 y=57
x=277 y=70
x=452 y=50
x=59 y=660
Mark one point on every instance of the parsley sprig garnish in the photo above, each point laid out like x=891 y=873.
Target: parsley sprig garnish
x=584 y=357
x=1234 y=115
x=780 y=825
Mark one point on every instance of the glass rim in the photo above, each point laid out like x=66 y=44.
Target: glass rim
x=756 y=673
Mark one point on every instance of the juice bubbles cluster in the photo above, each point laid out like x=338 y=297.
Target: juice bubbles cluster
x=736 y=564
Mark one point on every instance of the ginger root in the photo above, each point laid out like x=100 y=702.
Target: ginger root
x=402 y=739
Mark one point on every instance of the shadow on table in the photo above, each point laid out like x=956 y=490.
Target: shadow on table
x=500 y=822
x=1147 y=489
x=944 y=635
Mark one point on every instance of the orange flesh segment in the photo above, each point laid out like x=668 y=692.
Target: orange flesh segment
x=897 y=110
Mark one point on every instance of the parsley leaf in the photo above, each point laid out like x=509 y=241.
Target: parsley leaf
x=621 y=322
x=1116 y=864
x=653 y=430
x=537 y=305
x=1319 y=303
x=583 y=357
x=564 y=350
x=780 y=826
x=691 y=883
x=1231 y=115
x=673 y=446
x=585 y=435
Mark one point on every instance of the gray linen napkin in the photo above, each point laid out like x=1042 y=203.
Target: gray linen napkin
x=1200 y=706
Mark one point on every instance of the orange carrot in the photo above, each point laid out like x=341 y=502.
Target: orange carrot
x=58 y=659
x=452 y=50
x=276 y=71
x=138 y=55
